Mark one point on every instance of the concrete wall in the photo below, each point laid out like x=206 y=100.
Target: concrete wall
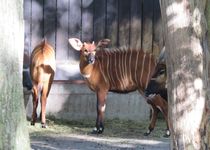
x=76 y=101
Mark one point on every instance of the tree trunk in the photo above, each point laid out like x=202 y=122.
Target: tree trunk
x=207 y=13
x=13 y=129
x=185 y=32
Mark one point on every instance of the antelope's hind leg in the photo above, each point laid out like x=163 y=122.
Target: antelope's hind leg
x=162 y=105
x=165 y=114
x=44 y=96
x=35 y=104
x=153 y=119
x=158 y=103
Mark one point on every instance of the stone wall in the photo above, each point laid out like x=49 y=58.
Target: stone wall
x=76 y=102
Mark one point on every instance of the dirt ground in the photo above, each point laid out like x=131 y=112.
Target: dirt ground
x=125 y=135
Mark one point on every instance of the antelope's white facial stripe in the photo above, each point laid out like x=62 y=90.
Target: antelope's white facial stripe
x=86 y=75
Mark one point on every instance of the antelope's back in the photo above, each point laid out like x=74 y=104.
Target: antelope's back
x=42 y=62
x=127 y=69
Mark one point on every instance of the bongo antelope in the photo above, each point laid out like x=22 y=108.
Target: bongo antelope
x=118 y=70
x=42 y=70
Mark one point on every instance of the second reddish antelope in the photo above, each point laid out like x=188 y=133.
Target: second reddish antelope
x=117 y=70
x=42 y=70
x=156 y=95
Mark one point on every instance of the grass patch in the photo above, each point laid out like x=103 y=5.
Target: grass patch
x=113 y=128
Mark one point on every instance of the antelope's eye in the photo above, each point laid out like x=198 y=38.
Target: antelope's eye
x=162 y=71
x=86 y=52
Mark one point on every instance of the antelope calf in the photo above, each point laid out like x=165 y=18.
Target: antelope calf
x=117 y=70
x=156 y=95
x=42 y=70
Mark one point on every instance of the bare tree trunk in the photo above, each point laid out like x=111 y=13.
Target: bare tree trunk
x=207 y=137
x=185 y=31
x=13 y=129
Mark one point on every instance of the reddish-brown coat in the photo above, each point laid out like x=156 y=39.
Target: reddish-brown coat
x=42 y=70
x=112 y=70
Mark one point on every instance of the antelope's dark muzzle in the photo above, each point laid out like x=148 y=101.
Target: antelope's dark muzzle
x=91 y=58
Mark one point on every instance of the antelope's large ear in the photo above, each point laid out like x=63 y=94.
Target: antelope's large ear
x=75 y=43
x=103 y=42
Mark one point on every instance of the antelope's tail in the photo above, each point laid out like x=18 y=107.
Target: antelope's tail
x=39 y=90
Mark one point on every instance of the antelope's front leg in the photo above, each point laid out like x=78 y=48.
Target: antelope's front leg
x=162 y=105
x=101 y=105
x=164 y=111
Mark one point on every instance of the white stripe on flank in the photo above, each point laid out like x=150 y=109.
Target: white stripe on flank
x=130 y=66
x=107 y=67
x=116 y=69
x=125 y=69
x=142 y=70
x=136 y=67
x=149 y=70
x=111 y=66
x=102 y=70
x=119 y=68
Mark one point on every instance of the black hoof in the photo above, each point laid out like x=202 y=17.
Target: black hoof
x=100 y=131
x=32 y=123
x=97 y=131
x=94 y=131
x=44 y=125
x=166 y=136
x=147 y=133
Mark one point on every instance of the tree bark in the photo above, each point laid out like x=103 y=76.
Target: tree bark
x=207 y=137
x=185 y=31
x=13 y=129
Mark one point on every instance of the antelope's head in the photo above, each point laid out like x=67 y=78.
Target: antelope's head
x=160 y=75
x=157 y=84
x=88 y=50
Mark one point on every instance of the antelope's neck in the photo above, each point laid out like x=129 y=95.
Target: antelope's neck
x=86 y=69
